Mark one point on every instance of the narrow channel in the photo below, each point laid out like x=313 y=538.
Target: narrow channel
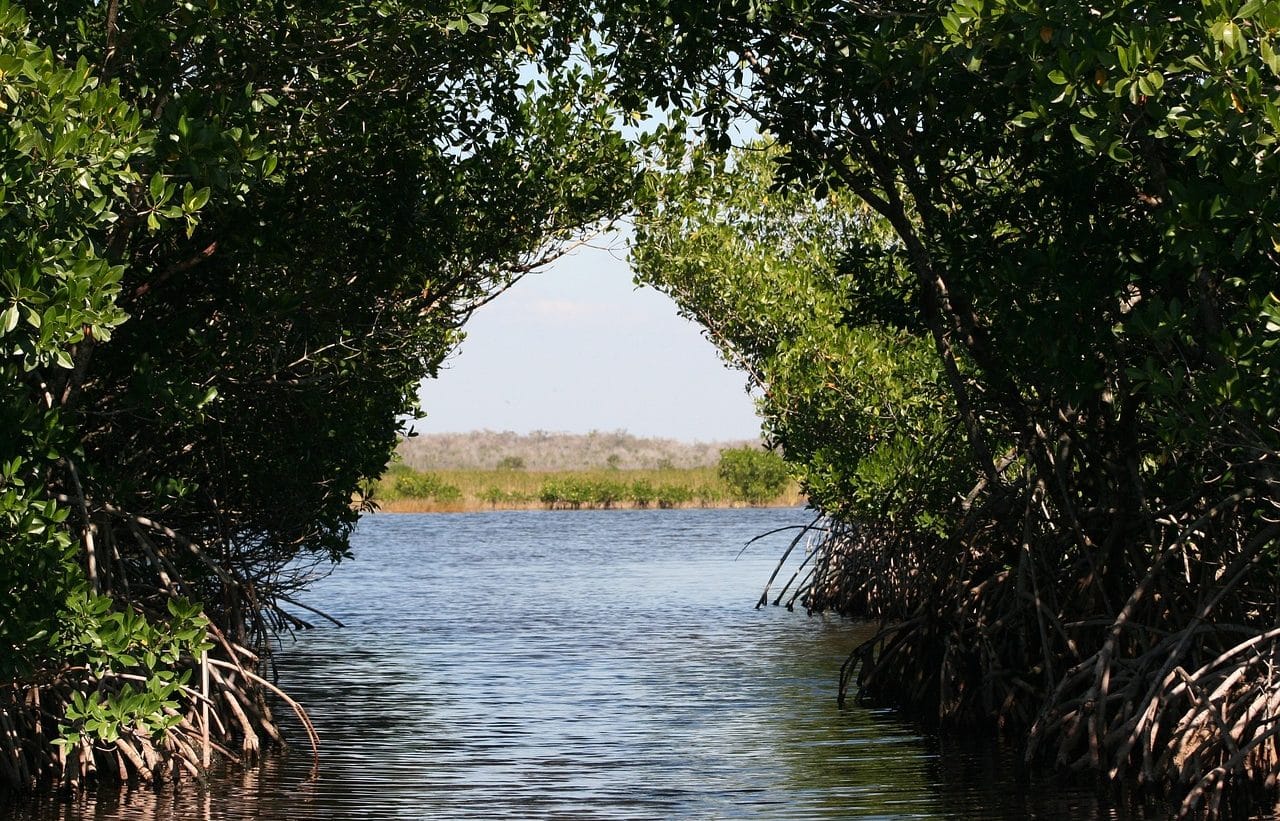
x=588 y=664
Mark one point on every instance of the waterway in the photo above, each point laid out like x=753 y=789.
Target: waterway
x=584 y=665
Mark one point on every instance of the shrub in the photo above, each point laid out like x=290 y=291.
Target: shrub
x=550 y=494
x=606 y=493
x=494 y=496
x=754 y=476
x=671 y=495
x=423 y=486
x=572 y=493
x=708 y=495
x=642 y=492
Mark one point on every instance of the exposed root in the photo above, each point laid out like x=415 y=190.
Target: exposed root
x=1153 y=666
x=236 y=710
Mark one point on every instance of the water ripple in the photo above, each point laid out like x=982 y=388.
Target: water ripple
x=581 y=665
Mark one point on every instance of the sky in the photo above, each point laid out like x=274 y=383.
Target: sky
x=578 y=347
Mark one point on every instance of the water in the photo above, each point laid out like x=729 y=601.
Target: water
x=583 y=665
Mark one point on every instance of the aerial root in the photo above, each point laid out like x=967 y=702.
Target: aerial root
x=237 y=711
x=1174 y=691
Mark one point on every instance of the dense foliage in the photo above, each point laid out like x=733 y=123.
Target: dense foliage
x=754 y=476
x=852 y=386
x=1008 y=282
x=66 y=147
x=295 y=206
x=1081 y=215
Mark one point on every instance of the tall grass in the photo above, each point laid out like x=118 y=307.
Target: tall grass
x=403 y=489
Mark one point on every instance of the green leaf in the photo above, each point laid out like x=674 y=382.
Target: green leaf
x=1081 y=137
x=1119 y=153
x=1269 y=55
x=1248 y=9
x=1241 y=244
x=197 y=199
x=1231 y=36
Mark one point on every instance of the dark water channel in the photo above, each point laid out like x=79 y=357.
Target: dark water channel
x=584 y=665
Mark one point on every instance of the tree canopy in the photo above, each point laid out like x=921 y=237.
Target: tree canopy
x=1079 y=203
x=1005 y=271
x=812 y=300
x=236 y=237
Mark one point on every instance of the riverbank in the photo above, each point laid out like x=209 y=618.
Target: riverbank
x=432 y=506
x=404 y=490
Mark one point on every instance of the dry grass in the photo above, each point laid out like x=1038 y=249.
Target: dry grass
x=544 y=451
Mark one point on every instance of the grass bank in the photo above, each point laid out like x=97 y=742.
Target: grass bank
x=404 y=490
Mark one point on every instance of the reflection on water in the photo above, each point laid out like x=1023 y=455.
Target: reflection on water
x=582 y=665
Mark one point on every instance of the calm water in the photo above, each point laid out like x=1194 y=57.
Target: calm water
x=583 y=665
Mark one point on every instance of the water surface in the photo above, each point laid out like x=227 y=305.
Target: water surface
x=583 y=664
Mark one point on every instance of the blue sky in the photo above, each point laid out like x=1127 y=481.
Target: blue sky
x=577 y=347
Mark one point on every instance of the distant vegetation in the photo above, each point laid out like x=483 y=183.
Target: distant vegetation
x=754 y=476
x=742 y=476
x=543 y=450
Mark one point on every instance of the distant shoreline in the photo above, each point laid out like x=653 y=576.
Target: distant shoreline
x=403 y=490
x=431 y=506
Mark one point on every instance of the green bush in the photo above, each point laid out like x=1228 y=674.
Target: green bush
x=708 y=495
x=423 y=486
x=754 y=476
x=494 y=496
x=672 y=495
x=571 y=493
x=642 y=492
x=606 y=493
